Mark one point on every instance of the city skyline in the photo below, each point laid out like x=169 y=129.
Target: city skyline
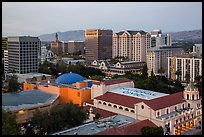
x=22 y=18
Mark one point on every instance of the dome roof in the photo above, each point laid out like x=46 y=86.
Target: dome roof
x=69 y=78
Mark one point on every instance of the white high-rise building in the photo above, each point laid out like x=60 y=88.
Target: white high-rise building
x=131 y=44
x=159 y=39
x=5 y=61
x=23 y=54
x=157 y=58
x=189 y=66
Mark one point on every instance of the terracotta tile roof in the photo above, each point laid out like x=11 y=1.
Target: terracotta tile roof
x=155 y=104
x=113 y=81
x=165 y=101
x=119 y=99
x=90 y=102
x=130 y=129
x=102 y=112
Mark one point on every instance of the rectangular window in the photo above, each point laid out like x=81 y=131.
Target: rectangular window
x=78 y=94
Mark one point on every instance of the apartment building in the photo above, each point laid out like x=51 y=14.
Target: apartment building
x=98 y=44
x=23 y=54
x=157 y=58
x=131 y=44
x=188 y=65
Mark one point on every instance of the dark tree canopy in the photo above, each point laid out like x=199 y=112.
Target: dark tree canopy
x=59 y=117
x=9 y=124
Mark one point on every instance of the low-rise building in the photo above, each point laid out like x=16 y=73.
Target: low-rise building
x=119 y=68
x=174 y=112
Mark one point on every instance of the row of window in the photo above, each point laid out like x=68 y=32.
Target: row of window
x=184 y=118
x=115 y=106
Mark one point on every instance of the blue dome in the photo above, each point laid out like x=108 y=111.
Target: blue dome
x=69 y=78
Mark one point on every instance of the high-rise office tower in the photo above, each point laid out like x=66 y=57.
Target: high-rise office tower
x=98 y=44
x=23 y=54
x=131 y=44
x=75 y=47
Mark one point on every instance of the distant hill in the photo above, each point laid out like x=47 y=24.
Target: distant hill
x=64 y=36
x=193 y=35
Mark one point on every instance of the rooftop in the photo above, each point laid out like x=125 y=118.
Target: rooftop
x=113 y=81
x=98 y=126
x=130 y=129
x=27 y=99
x=138 y=93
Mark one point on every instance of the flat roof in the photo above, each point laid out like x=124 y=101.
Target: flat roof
x=29 y=75
x=98 y=126
x=27 y=99
x=138 y=93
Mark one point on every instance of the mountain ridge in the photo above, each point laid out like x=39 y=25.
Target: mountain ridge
x=188 y=35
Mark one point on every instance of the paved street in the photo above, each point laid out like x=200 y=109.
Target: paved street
x=193 y=131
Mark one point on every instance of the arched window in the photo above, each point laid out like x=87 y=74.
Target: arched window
x=189 y=105
x=104 y=103
x=120 y=107
x=187 y=96
x=167 y=111
x=180 y=119
x=115 y=106
x=175 y=108
x=99 y=102
x=183 y=106
x=176 y=121
x=192 y=115
x=157 y=113
x=142 y=106
x=192 y=97
x=126 y=109
x=184 y=118
x=109 y=105
x=132 y=111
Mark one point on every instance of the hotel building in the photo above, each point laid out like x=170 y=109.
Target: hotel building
x=157 y=58
x=131 y=44
x=98 y=44
x=186 y=64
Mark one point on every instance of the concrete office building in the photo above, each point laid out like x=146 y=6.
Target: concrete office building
x=98 y=44
x=131 y=44
x=187 y=64
x=23 y=53
x=157 y=58
x=75 y=47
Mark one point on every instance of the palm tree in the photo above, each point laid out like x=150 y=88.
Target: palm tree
x=161 y=71
x=178 y=73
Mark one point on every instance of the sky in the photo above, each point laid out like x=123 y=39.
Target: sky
x=37 y=18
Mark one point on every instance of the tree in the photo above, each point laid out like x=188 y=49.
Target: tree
x=13 y=85
x=152 y=73
x=187 y=76
x=178 y=73
x=97 y=116
x=43 y=77
x=144 y=72
x=9 y=124
x=59 y=117
x=34 y=79
x=161 y=71
x=152 y=130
